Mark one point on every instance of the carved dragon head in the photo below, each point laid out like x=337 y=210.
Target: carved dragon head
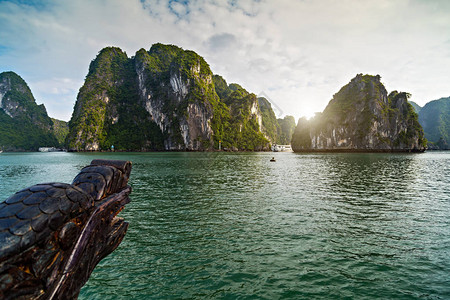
x=53 y=235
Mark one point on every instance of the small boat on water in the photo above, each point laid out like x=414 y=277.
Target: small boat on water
x=273 y=159
x=281 y=148
x=49 y=149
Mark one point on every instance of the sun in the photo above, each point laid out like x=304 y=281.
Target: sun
x=308 y=113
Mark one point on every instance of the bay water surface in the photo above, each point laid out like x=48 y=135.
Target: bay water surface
x=237 y=226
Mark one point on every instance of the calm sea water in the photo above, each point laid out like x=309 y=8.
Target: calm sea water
x=237 y=226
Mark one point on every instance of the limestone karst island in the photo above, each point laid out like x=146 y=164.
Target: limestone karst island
x=362 y=117
x=167 y=98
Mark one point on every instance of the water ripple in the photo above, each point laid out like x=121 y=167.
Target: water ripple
x=236 y=226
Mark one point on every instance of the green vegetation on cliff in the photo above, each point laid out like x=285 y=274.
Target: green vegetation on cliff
x=398 y=105
x=128 y=125
x=24 y=125
x=435 y=119
x=86 y=127
x=177 y=78
x=165 y=99
x=285 y=130
x=107 y=112
x=23 y=135
x=236 y=124
x=221 y=87
x=60 y=130
x=362 y=117
x=269 y=120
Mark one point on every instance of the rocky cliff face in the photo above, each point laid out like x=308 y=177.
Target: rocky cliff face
x=362 y=117
x=107 y=113
x=162 y=99
x=17 y=101
x=285 y=130
x=24 y=125
x=175 y=87
x=268 y=121
x=240 y=119
x=89 y=116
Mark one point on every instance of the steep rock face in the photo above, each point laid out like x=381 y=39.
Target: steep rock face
x=24 y=125
x=176 y=89
x=268 y=124
x=435 y=120
x=17 y=101
x=362 y=117
x=239 y=121
x=285 y=130
x=88 y=119
x=163 y=99
x=107 y=113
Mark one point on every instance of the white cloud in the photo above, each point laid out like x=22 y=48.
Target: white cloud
x=299 y=52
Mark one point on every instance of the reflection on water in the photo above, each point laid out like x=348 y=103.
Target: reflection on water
x=219 y=225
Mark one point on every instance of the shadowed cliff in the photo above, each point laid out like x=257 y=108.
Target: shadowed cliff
x=362 y=117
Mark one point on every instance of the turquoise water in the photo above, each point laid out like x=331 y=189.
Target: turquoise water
x=237 y=226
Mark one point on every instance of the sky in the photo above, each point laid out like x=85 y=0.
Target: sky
x=298 y=54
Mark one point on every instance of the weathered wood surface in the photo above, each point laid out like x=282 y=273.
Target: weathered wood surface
x=53 y=235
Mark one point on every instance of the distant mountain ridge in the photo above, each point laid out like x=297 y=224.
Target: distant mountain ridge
x=362 y=117
x=165 y=98
x=435 y=120
x=416 y=106
x=24 y=125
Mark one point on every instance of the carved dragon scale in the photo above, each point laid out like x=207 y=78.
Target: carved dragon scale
x=53 y=235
